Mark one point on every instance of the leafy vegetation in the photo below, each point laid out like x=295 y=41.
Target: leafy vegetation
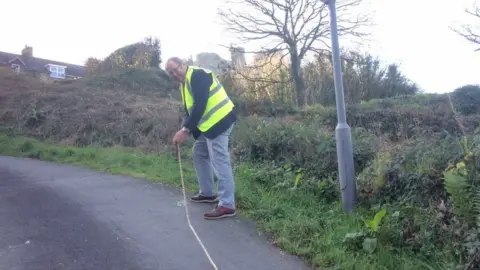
x=299 y=222
x=143 y=54
x=103 y=110
x=416 y=155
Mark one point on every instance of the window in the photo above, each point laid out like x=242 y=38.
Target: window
x=16 y=68
x=57 y=71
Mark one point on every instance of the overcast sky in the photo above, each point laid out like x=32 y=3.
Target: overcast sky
x=412 y=33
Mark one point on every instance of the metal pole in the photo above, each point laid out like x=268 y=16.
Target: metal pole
x=343 y=135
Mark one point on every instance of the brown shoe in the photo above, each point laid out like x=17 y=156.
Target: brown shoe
x=220 y=212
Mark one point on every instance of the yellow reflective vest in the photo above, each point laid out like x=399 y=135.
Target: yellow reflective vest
x=218 y=106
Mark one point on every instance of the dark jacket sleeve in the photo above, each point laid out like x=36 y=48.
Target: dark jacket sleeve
x=200 y=83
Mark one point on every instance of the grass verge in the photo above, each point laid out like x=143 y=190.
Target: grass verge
x=114 y=160
x=299 y=222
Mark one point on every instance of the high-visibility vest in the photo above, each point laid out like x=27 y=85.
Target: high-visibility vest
x=219 y=104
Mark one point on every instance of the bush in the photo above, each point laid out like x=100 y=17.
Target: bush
x=398 y=124
x=262 y=108
x=466 y=99
x=437 y=103
x=431 y=192
x=150 y=82
x=414 y=175
x=103 y=113
x=400 y=118
x=308 y=147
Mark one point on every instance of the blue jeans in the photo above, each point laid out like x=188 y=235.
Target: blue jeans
x=211 y=155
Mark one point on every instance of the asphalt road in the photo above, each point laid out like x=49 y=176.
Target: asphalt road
x=62 y=217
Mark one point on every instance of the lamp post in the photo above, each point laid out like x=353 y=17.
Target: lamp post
x=343 y=135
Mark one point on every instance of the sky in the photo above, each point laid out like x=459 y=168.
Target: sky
x=412 y=33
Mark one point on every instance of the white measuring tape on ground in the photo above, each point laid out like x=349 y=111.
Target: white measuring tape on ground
x=188 y=215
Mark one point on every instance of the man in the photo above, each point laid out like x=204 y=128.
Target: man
x=209 y=118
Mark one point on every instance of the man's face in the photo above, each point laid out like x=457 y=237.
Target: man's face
x=176 y=71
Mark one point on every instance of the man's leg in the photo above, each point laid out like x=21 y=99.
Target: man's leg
x=220 y=158
x=204 y=171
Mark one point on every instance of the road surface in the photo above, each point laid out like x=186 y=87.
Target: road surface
x=63 y=217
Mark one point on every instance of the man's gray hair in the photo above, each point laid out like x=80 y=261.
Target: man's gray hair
x=176 y=60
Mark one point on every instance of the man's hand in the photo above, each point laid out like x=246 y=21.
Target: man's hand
x=181 y=136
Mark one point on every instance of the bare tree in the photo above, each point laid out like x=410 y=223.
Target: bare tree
x=295 y=27
x=467 y=32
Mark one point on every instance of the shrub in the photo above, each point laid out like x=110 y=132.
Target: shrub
x=262 y=108
x=466 y=99
x=413 y=176
x=435 y=187
x=150 y=82
x=398 y=124
x=308 y=147
x=437 y=103
x=103 y=113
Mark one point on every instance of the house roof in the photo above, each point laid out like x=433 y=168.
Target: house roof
x=38 y=64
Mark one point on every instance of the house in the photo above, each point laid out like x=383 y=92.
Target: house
x=26 y=62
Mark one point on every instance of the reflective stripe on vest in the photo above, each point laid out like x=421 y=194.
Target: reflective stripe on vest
x=212 y=92
x=218 y=104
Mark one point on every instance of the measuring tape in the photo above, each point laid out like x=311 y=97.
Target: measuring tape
x=188 y=215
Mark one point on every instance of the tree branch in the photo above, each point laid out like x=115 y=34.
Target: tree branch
x=297 y=27
x=467 y=32
x=268 y=57
x=299 y=24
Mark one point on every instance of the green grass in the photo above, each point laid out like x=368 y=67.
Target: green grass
x=115 y=160
x=300 y=223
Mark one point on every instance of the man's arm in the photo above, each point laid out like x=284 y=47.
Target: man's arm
x=200 y=83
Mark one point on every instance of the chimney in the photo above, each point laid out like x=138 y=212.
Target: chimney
x=27 y=51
